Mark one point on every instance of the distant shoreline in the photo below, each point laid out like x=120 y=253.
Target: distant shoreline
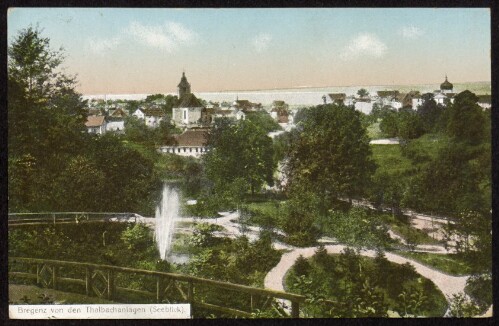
x=298 y=88
x=304 y=95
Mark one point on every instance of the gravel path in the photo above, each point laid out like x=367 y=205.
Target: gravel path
x=447 y=284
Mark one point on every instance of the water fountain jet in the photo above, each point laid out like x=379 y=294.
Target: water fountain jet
x=167 y=213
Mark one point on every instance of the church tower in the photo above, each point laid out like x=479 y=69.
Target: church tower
x=183 y=87
x=446 y=86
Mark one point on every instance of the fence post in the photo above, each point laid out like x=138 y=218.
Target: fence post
x=88 y=280
x=190 y=292
x=55 y=272
x=37 y=274
x=158 y=289
x=110 y=284
x=53 y=218
x=295 y=309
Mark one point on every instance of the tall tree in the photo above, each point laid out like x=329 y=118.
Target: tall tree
x=466 y=121
x=33 y=64
x=46 y=118
x=362 y=92
x=331 y=154
x=239 y=150
x=429 y=111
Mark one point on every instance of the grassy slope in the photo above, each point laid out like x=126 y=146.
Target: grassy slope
x=389 y=158
x=450 y=264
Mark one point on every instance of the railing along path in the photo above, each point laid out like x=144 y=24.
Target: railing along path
x=16 y=219
x=113 y=283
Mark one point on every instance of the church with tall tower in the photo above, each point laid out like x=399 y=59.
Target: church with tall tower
x=183 y=87
x=189 y=111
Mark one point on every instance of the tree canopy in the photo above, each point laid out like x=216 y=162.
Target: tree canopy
x=331 y=153
x=54 y=164
x=239 y=150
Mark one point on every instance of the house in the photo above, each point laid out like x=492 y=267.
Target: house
x=364 y=105
x=139 y=114
x=411 y=100
x=485 y=101
x=119 y=113
x=386 y=97
x=116 y=125
x=153 y=117
x=245 y=106
x=190 y=109
x=96 y=124
x=337 y=98
x=240 y=115
x=116 y=121
x=440 y=98
x=191 y=142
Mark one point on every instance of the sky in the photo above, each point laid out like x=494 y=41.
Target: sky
x=125 y=51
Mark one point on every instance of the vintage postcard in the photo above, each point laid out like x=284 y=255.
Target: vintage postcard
x=249 y=163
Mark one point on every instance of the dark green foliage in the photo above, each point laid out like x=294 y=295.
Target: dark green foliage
x=126 y=244
x=362 y=92
x=351 y=286
x=298 y=218
x=136 y=131
x=409 y=124
x=302 y=266
x=330 y=156
x=54 y=165
x=389 y=124
x=473 y=231
x=465 y=119
x=429 y=112
x=479 y=288
x=239 y=150
x=463 y=307
x=450 y=183
x=264 y=121
x=356 y=228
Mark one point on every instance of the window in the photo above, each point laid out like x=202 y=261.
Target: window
x=185 y=114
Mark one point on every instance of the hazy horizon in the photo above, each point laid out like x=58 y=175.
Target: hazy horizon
x=300 y=96
x=125 y=50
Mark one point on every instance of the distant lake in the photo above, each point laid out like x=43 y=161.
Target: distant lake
x=306 y=96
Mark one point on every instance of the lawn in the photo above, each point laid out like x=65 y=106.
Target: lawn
x=374 y=132
x=389 y=159
x=401 y=226
x=451 y=264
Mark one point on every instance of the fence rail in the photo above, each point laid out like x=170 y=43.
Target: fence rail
x=68 y=217
x=109 y=282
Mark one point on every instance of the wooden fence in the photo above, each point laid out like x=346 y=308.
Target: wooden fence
x=113 y=283
x=16 y=219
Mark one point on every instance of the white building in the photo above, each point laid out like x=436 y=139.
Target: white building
x=364 y=106
x=139 y=114
x=96 y=124
x=485 y=101
x=189 y=112
x=190 y=143
x=153 y=117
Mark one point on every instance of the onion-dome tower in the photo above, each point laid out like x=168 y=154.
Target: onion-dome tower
x=446 y=86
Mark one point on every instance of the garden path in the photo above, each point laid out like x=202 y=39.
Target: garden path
x=448 y=284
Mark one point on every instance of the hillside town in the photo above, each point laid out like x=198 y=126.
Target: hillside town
x=194 y=116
